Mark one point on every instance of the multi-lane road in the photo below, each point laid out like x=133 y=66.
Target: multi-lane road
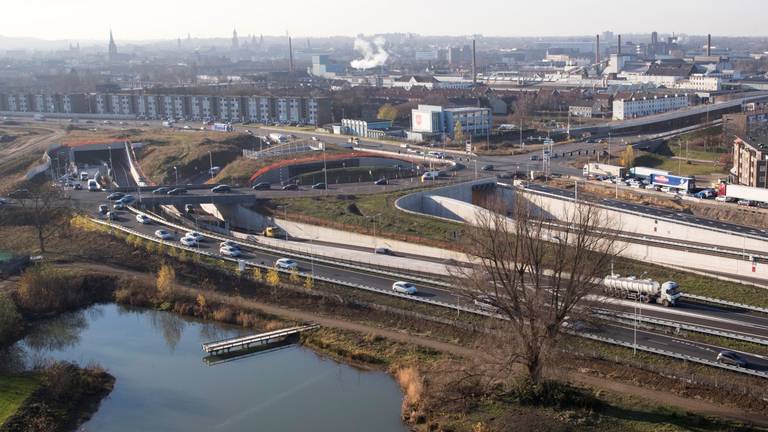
x=731 y=321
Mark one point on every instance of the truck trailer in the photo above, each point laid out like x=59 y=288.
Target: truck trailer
x=278 y=138
x=644 y=172
x=738 y=192
x=597 y=169
x=673 y=182
x=644 y=290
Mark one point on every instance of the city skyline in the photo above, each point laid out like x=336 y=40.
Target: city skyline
x=306 y=18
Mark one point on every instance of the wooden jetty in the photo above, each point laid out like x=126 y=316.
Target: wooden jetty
x=247 y=342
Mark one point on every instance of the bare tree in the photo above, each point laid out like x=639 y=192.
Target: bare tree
x=534 y=271
x=44 y=208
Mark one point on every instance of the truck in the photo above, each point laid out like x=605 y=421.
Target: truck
x=278 y=138
x=644 y=290
x=168 y=124
x=93 y=185
x=673 y=181
x=595 y=169
x=737 y=192
x=220 y=127
x=644 y=172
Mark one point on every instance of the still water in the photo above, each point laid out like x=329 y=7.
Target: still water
x=164 y=385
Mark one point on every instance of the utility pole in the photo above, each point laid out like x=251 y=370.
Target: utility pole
x=210 y=158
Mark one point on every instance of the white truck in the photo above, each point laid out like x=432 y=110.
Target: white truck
x=736 y=192
x=645 y=172
x=597 y=169
x=168 y=124
x=644 y=290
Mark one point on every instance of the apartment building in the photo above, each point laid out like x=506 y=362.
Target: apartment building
x=641 y=106
x=258 y=108
x=750 y=160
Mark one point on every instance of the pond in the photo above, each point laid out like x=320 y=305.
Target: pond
x=164 y=384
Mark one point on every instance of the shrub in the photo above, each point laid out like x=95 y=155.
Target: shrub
x=44 y=289
x=273 y=277
x=256 y=274
x=552 y=394
x=9 y=317
x=294 y=276
x=166 y=283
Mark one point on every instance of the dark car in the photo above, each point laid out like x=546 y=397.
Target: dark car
x=506 y=175
x=291 y=187
x=221 y=189
x=78 y=186
x=487 y=168
x=189 y=208
x=319 y=186
x=381 y=182
x=115 y=196
x=161 y=190
x=103 y=209
x=177 y=191
x=19 y=194
x=262 y=186
x=382 y=251
x=731 y=358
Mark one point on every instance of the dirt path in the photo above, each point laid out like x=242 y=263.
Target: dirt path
x=657 y=397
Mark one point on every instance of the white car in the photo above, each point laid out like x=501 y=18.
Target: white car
x=229 y=243
x=286 y=264
x=195 y=235
x=404 y=288
x=143 y=219
x=229 y=251
x=163 y=234
x=189 y=241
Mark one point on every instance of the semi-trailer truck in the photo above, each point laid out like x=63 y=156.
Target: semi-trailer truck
x=598 y=169
x=644 y=290
x=644 y=172
x=738 y=192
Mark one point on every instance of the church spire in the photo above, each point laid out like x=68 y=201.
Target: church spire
x=112 y=46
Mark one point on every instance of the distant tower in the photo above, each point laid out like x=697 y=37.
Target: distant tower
x=235 y=42
x=178 y=43
x=261 y=40
x=474 y=62
x=309 y=45
x=709 y=45
x=112 y=46
x=290 y=55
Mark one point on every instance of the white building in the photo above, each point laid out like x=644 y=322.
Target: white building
x=648 y=105
x=429 y=120
x=701 y=82
x=230 y=108
x=202 y=107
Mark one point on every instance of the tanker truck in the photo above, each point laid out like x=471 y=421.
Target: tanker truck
x=644 y=290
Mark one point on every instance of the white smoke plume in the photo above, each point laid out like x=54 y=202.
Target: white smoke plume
x=373 y=53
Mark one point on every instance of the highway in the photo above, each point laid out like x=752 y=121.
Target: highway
x=747 y=324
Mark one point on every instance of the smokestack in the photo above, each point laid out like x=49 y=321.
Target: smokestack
x=709 y=45
x=597 y=50
x=290 y=55
x=619 y=49
x=474 y=63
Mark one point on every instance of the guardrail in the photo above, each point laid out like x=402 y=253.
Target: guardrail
x=310 y=257
x=457 y=307
x=726 y=303
x=626 y=317
x=670 y=354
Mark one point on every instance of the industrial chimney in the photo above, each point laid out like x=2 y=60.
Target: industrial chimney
x=290 y=55
x=618 y=51
x=474 y=62
x=597 y=50
x=709 y=45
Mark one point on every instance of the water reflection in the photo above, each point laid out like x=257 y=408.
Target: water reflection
x=60 y=333
x=171 y=326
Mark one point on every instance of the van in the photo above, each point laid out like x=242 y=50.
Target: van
x=430 y=175
x=83 y=176
x=93 y=186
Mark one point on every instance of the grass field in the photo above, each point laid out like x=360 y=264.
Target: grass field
x=356 y=213
x=679 y=167
x=14 y=390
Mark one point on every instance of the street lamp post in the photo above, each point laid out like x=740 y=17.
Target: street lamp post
x=374 y=229
x=176 y=170
x=210 y=158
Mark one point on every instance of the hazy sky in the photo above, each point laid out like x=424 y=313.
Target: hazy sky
x=163 y=19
